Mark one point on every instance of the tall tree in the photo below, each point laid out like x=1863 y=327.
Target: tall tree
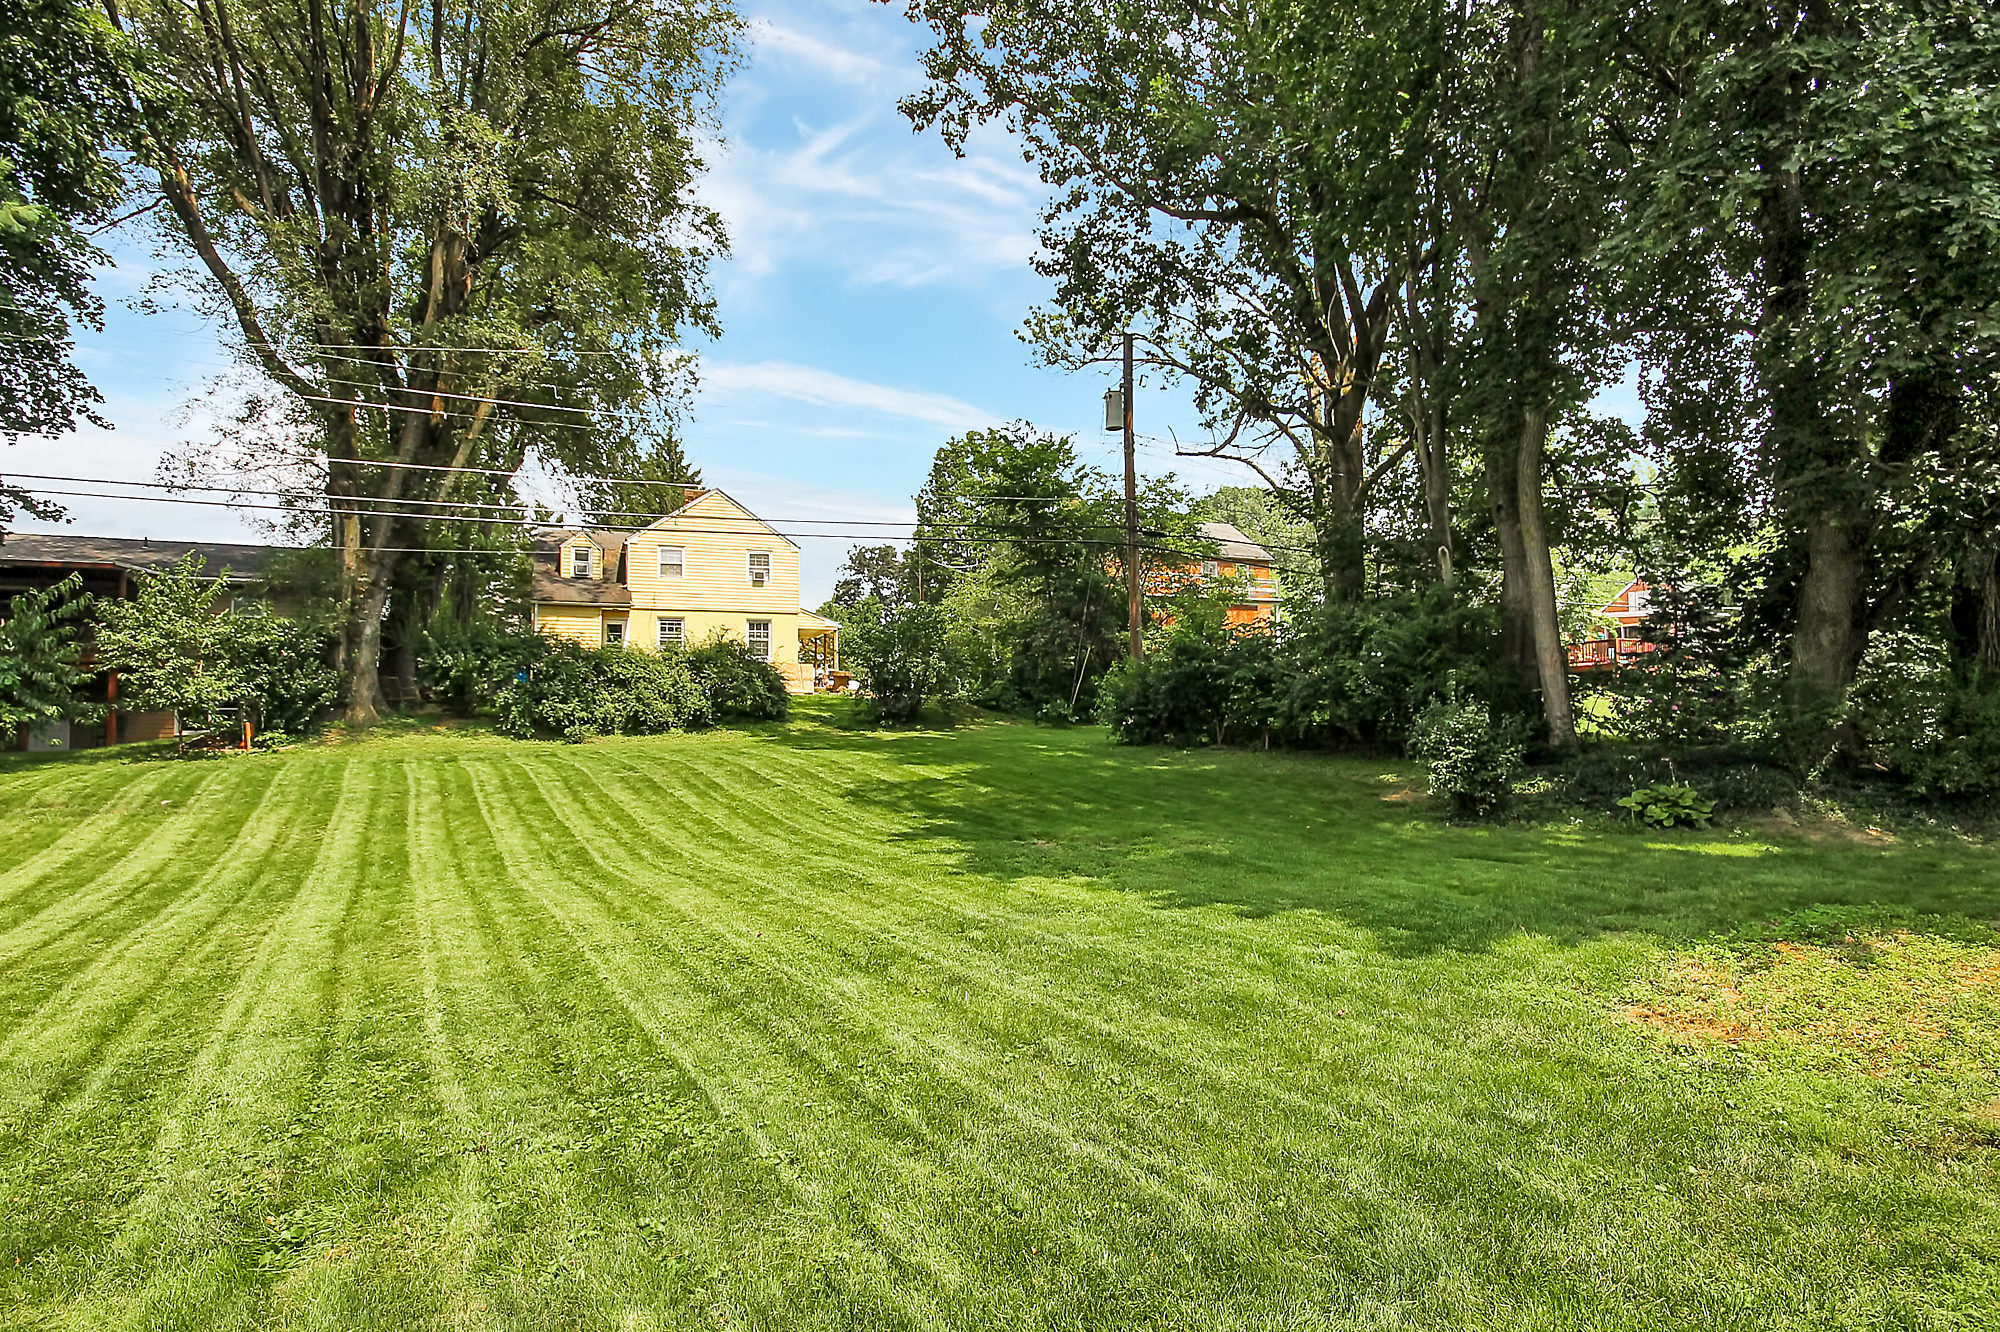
x=649 y=483
x=1241 y=195
x=448 y=233
x=1841 y=162
x=1533 y=185
x=63 y=94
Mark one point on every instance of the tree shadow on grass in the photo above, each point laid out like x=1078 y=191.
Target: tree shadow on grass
x=1263 y=834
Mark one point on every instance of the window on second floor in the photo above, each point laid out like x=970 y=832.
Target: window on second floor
x=673 y=632
x=760 y=567
x=1209 y=568
x=673 y=561
x=757 y=633
x=579 y=561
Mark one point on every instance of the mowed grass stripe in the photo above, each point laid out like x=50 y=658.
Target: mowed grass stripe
x=683 y=1019
x=129 y=998
x=191 y=1243
x=748 y=1050
x=1082 y=987
x=959 y=1067
x=79 y=891
x=123 y=811
x=719 y=1210
x=735 y=1030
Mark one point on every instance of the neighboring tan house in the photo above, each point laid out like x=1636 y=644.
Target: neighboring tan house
x=1236 y=556
x=1621 y=640
x=109 y=567
x=709 y=565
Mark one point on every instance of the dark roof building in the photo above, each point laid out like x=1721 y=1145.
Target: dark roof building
x=34 y=559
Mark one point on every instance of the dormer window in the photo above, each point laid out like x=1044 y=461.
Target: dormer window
x=760 y=568
x=579 y=562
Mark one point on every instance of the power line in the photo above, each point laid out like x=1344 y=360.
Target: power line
x=526 y=524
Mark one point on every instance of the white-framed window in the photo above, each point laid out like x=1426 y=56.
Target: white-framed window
x=673 y=632
x=579 y=561
x=760 y=569
x=673 y=561
x=614 y=633
x=1209 y=568
x=757 y=633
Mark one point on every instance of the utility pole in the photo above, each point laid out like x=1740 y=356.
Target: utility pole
x=1134 y=609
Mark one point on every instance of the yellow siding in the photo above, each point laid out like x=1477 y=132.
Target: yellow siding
x=579 y=624
x=564 y=556
x=698 y=625
x=718 y=537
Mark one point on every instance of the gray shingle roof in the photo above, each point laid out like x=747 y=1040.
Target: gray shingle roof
x=1234 y=546
x=551 y=585
x=136 y=554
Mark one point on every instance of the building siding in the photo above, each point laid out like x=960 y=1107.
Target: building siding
x=713 y=594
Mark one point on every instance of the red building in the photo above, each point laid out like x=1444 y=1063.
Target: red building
x=1237 y=557
x=1620 y=641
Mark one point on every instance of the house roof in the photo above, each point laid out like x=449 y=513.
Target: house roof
x=132 y=554
x=551 y=586
x=1631 y=603
x=1233 y=544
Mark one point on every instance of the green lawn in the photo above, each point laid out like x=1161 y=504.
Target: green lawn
x=813 y=1027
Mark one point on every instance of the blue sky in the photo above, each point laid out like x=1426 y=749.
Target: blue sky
x=869 y=306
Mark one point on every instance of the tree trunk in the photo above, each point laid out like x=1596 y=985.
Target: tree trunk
x=1818 y=467
x=1517 y=626
x=1989 y=621
x=362 y=643
x=1551 y=661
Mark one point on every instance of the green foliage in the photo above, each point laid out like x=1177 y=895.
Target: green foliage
x=1672 y=805
x=1691 y=689
x=1029 y=541
x=466 y=666
x=1936 y=729
x=63 y=98
x=171 y=644
x=177 y=648
x=902 y=657
x=39 y=653
x=284 y=665
x=738 y=684
x=1354 y=675
x=495 y=201
x=1472 y=757
x=577 y=692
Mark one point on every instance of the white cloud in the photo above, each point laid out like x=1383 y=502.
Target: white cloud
x=783 y=43
x=823 y=388
x=839 y=180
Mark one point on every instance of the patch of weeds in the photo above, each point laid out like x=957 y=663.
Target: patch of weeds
x=1856 y=991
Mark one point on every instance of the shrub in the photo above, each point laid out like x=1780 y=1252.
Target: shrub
x=578 y=692
x=464 y=667
x=902 y=656
x=39 y=652
x=1337 y=677
x=174 y=652
x=1938 y=731
x=1472 y=761
x=1176 y=695
x=737 y=683
x=285 y=663
x=1671 y=805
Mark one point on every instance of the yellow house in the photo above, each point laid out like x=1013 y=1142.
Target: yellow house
x=709 y=565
